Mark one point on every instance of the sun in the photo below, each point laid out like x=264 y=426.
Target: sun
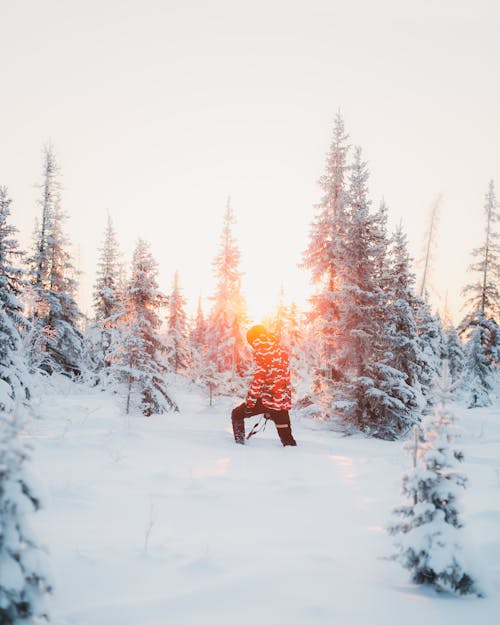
x=262 y=302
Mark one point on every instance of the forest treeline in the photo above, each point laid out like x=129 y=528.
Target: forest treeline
x=364 y=354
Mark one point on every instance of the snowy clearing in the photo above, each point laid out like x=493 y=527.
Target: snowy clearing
x=160 y=520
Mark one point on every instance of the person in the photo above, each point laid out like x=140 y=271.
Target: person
x=270 y=392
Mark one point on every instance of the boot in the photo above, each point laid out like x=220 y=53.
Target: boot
x=238 y=430
x=286 y=437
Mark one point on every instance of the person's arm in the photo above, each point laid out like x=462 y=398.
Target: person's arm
x=259 y=376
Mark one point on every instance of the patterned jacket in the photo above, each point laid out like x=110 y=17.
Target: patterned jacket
x=271 y=379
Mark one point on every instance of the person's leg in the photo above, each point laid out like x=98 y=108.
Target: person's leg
x=281 y=419
x=239 y=414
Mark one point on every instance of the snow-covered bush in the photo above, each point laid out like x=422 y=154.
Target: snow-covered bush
x=25 y=581
x=427 y=527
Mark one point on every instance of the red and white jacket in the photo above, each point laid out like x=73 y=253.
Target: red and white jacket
x=271 y=379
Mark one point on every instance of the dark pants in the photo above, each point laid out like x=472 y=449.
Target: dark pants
x=281 y=419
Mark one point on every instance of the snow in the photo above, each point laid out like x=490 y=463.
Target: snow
x=162 y=520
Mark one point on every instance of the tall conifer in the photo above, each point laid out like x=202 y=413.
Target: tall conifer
x=138 y=357
x=177 y=329
x=227 y=348
x=323 y=254
x=481 y=326
x=55 y=315
x=24 y=577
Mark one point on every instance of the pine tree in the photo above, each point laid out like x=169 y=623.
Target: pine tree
x=55 y=315
x=24 y=581
x=432 y=347
x=108 y=304
x=12 y=368
x=198 y=350
x=293 y=338
x=323 y=254
x=427 y=526
x=484 y=294
x=372 y=393
x=24 y=578
x=137 y=355
x=227 y=347
x=277 y=323
x=477 y=370
x=177 y=332
x=482 y=323
x=407 y=350
x=402 y=334
x=198 y=335
x=454 y=354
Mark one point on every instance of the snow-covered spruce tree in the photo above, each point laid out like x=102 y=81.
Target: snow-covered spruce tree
x=107 y=295
x=24 y=580
x=484 y=293
x=137 y=357
x=198 y=359
x=198 y=334
x=477 y=370
x=227 y=347
x=12 y=277
x=108 y=304
x=432 y=347
x=427 y=526
x=371 y=394
x=454 y=354
x=323 y=255
x=276 y=322
x=484 y=300
x=292 y=338
x=177 y=329
x=403 y=333
x=12 y=367
x=55 y=314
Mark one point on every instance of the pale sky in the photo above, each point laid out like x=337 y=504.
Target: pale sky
x=158 y=110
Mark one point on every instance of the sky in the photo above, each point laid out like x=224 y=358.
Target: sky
x=160 y=110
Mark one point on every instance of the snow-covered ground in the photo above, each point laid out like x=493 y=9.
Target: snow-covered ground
x=164 y=520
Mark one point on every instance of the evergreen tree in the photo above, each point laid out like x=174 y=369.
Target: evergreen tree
x=482 y=323
x=477 y=370
x=293 y=328
x=107 y=302
x=372 y=393
x=402 y=334
x=432 y=347
x=108 y=305
x=427 y=526
x=198 y=334
x=227 y=346
x=12 y=368
x=198 y=350
x=24 y=581
x=324 y=252
x=484 y=293
x=406 y=349
x=137 y=356
x=177 y=337
x=454 y=354
x=57 y=342
x=293 y=338
x=278 y=321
